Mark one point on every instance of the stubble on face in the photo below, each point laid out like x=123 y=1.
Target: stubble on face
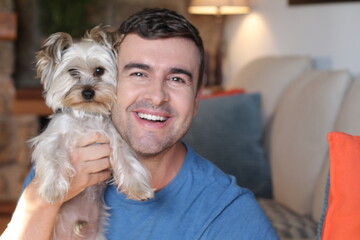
x=149 y=145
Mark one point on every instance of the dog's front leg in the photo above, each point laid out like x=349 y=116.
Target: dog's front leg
x=129 y=175
x=52 y=166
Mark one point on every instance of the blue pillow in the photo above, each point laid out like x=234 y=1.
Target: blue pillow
x=228 y=131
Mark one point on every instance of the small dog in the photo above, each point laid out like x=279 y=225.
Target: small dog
x=79 y=82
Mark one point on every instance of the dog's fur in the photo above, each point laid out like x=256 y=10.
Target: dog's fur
x=79 y=82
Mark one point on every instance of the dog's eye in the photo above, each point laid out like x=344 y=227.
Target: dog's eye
x=74 y=72
x=99 y=71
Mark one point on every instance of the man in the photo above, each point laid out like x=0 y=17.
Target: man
x=160 y=64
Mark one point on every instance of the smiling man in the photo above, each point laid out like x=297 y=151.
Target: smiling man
x=160 y=64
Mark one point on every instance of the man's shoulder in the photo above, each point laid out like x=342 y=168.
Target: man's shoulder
x=212 y=181
x=209 y=173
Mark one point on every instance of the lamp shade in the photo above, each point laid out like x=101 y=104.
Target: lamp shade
x=218 y=7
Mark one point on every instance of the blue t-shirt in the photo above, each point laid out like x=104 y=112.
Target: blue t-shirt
x=201 y=202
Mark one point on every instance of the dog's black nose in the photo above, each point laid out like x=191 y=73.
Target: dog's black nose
x=88 y=94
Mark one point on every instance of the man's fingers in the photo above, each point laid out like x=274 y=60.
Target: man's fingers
x=92 y=172
x=99 y=177
x=94 y=178
x=91 y=138
x=81 y=182
x=97 y=151
x=90 y=153
x=96 y=165
x=91 y=161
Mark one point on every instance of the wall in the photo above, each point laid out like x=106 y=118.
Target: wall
x=15 y=130
x=32 y=29
x=327 y=32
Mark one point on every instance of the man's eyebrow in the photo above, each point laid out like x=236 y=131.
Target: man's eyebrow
x=136 y=65
x=181 y=71
x=147 y=67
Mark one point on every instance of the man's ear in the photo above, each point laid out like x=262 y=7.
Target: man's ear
x=197 y=99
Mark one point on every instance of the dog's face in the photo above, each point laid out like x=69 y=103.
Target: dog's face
x=81 y=75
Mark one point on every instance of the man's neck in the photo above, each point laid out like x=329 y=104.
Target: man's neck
x=164 y=167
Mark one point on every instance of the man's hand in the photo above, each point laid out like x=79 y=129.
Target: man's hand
x=91 y=161
x=34 y=218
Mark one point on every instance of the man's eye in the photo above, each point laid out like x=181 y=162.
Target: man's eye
x=137 y=74
x=177 y=79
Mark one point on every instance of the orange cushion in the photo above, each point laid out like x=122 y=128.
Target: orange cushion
x=342 y=219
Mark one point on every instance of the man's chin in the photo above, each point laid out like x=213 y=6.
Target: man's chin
x=153 y=151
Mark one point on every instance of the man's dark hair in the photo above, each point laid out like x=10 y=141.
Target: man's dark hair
x=155 y=23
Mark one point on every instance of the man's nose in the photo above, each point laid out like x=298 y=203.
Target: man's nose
x=157 y=92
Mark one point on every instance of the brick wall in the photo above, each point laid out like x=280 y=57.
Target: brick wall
x=15 y=130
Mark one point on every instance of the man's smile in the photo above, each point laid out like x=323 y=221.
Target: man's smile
x=151 y=117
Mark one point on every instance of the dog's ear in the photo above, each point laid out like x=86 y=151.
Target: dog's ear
x=50 y=56
x=104 y=36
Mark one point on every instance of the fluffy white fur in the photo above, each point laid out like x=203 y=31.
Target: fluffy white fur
x=80 y=86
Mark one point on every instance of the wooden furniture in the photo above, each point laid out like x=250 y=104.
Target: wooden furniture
x=6 y=210
x=30 y=101
x=8 y=26
x=26 y=101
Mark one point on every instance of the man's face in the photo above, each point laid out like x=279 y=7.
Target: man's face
x=156 y=92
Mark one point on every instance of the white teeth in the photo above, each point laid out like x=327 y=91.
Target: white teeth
x=151 y=117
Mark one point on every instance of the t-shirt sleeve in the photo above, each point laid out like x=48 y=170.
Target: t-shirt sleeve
x=29 y=177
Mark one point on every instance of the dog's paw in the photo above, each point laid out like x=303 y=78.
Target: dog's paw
x=52 y=196
x=135 y=187
x=53 y=192
x=139 y=193
x=140 y=196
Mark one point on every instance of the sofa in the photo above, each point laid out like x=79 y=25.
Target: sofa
x=298 y=106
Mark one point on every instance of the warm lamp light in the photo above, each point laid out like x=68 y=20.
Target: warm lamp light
x=218 y=7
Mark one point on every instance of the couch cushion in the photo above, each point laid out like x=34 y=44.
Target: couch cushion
x=227 y=131
x=348 y=122
x=348 y=119
x=319 y=193
x=288 y=224
x=306 y=113
x=342 y=219
x=270 y=76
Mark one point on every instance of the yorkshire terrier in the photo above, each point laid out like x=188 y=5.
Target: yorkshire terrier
x=79 y=80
